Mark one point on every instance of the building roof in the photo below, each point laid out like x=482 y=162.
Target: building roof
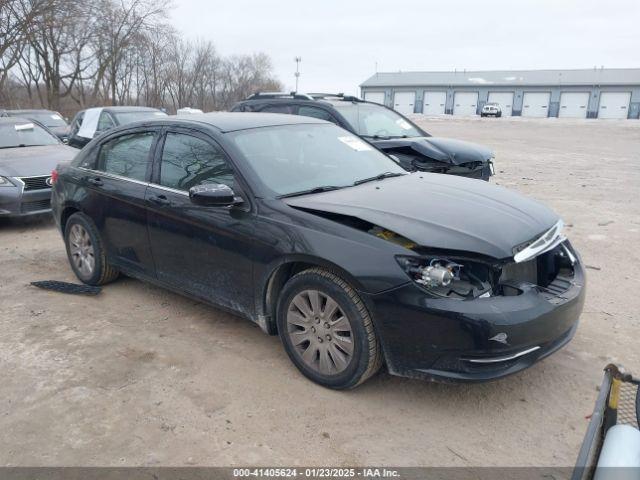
x=590 y=76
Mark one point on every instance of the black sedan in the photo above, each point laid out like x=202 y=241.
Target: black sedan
x=28 y=154
x=314 y=235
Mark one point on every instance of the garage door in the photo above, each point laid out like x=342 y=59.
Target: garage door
x=574 y=104
x=377 y=97
x=614 y=105
x=404 y=102
x=434 y=103
x=465 y=103
x=535 y=104
x=504 y=99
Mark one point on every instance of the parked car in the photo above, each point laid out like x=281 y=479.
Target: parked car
x=92 y=121
x=315 y=235
x=491 y=110
x=386 y=129
x=48 y=118
x=28 y=154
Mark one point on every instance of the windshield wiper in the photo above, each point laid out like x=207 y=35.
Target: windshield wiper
x=22 y=145
x=381 y=176
x=324 y=188
x=377 y=137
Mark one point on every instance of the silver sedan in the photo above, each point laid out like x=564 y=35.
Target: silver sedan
x=28 y=154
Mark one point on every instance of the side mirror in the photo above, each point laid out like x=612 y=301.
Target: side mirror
x=212 y=195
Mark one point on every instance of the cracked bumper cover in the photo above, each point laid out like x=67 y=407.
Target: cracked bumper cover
x=459 y=341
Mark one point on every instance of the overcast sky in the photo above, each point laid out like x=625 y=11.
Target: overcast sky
x=340 y=42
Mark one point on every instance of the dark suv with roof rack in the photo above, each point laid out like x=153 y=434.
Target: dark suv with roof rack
x=386 y=129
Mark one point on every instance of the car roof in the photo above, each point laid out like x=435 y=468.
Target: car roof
x=233 y=121
x=29 y=110
x=14 y=120
x=123 y=108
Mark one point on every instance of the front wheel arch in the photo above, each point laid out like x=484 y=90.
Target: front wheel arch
x=66 y=214
x=272 y=283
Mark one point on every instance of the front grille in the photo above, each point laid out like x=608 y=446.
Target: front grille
x=36 y=183
x=35 y=206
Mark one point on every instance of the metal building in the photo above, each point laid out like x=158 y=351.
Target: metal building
x=587 y=93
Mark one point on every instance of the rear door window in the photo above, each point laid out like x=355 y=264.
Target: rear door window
x=127 y=155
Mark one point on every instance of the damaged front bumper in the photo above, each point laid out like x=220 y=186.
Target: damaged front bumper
x=477 y=339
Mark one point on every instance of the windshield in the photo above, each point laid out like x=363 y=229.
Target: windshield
x=371 y=120
x=24 y=134
x=129 y=117
x=297 y=158
x=48 y=119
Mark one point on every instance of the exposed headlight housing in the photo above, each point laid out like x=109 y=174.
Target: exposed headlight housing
x=5 y=182
x=446 y=277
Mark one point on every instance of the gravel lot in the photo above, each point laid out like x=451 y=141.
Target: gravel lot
x=140 y=376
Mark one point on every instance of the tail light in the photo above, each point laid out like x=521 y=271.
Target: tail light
x=54 y=176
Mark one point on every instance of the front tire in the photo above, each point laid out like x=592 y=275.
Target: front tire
x=327 y=331
x=85 y=251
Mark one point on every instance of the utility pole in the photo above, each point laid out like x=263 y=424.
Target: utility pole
x=297 y=74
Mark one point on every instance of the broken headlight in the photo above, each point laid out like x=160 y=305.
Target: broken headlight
x=445 y=277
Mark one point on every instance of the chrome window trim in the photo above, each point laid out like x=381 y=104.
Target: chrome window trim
x=133 y=180
x=545 y=242
x=169 y=189
x=501 y=359
x=113 y=176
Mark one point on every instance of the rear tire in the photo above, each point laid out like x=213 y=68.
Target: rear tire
x=85 y=251
x=327 y=331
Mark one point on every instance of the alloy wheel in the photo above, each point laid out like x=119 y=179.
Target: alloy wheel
x=81 y=250
x=320 y=332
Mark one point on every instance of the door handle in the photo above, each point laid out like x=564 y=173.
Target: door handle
x=159 y=200
x=95 y=181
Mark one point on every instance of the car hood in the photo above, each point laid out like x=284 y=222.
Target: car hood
x=448 y=150
x=440 y=211
x=33 y=161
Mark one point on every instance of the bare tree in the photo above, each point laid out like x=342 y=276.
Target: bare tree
x=119 y=24
x=65 y=54
x=57 y=54
x=16 y=17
